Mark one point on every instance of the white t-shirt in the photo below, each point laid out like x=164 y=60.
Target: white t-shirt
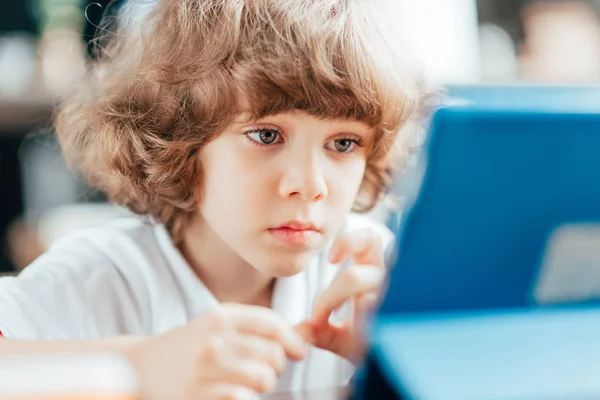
x=127 y=278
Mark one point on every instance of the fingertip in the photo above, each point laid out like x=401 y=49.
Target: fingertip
x=337 y=250
x=299 y=354
x=333 y=255
x=306 y=331
x=297 y=343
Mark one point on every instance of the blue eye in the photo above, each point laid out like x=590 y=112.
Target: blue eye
x=264 y=136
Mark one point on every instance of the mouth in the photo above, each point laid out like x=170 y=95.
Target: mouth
x=297 y=233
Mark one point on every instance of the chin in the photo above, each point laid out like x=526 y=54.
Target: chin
x=286 y=266
x=284 y=271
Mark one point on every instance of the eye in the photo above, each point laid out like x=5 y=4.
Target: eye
x=263 y=137
x=344 y=145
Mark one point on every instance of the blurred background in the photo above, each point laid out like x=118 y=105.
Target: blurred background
x=45 y=44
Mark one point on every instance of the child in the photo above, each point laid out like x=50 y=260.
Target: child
x=243 y=132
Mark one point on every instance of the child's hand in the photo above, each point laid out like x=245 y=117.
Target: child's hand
x=361 y=283
x=234 y=352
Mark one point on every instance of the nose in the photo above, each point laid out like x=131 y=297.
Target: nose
x=304 y=178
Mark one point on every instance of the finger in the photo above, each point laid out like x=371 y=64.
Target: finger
x=251 y=374
x=366 y=303
x=259 y=349
x=336 y=339
x=364 y=307
x=254 y=375
x=308 y=332
x=351 y=283
x=225 y=391
x=266 y=323
x=364 y=245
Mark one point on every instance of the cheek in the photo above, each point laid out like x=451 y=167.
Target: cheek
x=347 y=182
x=230 y=191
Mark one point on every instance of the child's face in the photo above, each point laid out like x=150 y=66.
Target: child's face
x=276 y=190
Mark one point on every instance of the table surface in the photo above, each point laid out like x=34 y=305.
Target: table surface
x=331 y=394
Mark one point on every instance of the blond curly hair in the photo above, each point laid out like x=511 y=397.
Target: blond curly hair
x=175 y=73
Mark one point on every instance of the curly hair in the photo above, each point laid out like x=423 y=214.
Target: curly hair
x=175 y=73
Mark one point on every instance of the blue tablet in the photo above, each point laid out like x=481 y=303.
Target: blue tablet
x=507 y=210
x=494 y=289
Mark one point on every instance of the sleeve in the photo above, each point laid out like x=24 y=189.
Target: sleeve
x=72 y=292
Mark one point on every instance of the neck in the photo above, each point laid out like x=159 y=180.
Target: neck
x=229 y=278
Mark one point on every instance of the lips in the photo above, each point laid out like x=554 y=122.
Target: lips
x=297 y=233
x=299 y=226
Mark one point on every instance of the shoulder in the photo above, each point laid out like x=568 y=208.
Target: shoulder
x=124 y=243
x=91 y=281
x=123 y=233
x=122 y=252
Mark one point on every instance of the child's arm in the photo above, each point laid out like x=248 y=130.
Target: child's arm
x=234 y=352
